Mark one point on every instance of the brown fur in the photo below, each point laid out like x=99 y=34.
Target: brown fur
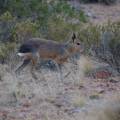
x=51 y=50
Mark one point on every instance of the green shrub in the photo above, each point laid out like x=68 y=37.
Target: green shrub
x=5 y=50
x=41 y=10
x=6 y=17
x=103 y=42
x=60 y=30
x=7 y=23
x=34 y=15
x=111 y=40
x=90 y=35
x=24 y=30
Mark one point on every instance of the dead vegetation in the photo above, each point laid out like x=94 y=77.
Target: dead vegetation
x=78 y=97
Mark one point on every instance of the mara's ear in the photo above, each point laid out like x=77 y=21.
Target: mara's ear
x=73 y=37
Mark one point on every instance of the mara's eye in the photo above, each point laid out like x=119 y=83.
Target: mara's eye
x=78 y=43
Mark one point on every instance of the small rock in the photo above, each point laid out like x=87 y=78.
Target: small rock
x=113 y=81
x=94 y=97
x=89 y=14
x=101 y=91
x=103 y=74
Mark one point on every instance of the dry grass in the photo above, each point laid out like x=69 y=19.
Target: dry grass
x=86 y=65
x=48 y=99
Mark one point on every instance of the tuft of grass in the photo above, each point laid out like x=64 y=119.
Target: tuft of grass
x=86 y=65
x=89 y=34
x=79 y=102
x=7 y=16
x=110 y=110
x=5 y=50
x=87 y=68
x=24 y=30
x=59 y=30
x=94 y=96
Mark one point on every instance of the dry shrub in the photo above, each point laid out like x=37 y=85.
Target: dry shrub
x=85 y=65
x=109 y=110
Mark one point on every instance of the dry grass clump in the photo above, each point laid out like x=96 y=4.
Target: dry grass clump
x=109 y=110
x=49 y=99
x=85 y=65
x=79 y=101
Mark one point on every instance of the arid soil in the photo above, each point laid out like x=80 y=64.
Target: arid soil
x=75 y=98
x=99 y=14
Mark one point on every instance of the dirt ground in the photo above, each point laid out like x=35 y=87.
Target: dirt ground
x=99 y=13
x=75 y=98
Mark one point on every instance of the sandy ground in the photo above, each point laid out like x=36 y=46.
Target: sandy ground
x=76 y=98
x=99 y=13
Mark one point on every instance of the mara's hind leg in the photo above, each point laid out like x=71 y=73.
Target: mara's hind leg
x=24 y=64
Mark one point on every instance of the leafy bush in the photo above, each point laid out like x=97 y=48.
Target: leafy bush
x=24 y=30
x=7 y=22
x=60 y=30
x=90 y=35
x=110 y=44
x=103 y=42
x=39 y=9
x=5 y=50
x=23 y=18
x=6 y=16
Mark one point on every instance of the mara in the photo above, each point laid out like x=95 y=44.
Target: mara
x=35 y=49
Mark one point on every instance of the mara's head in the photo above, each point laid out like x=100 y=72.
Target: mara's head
x=76 y=45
